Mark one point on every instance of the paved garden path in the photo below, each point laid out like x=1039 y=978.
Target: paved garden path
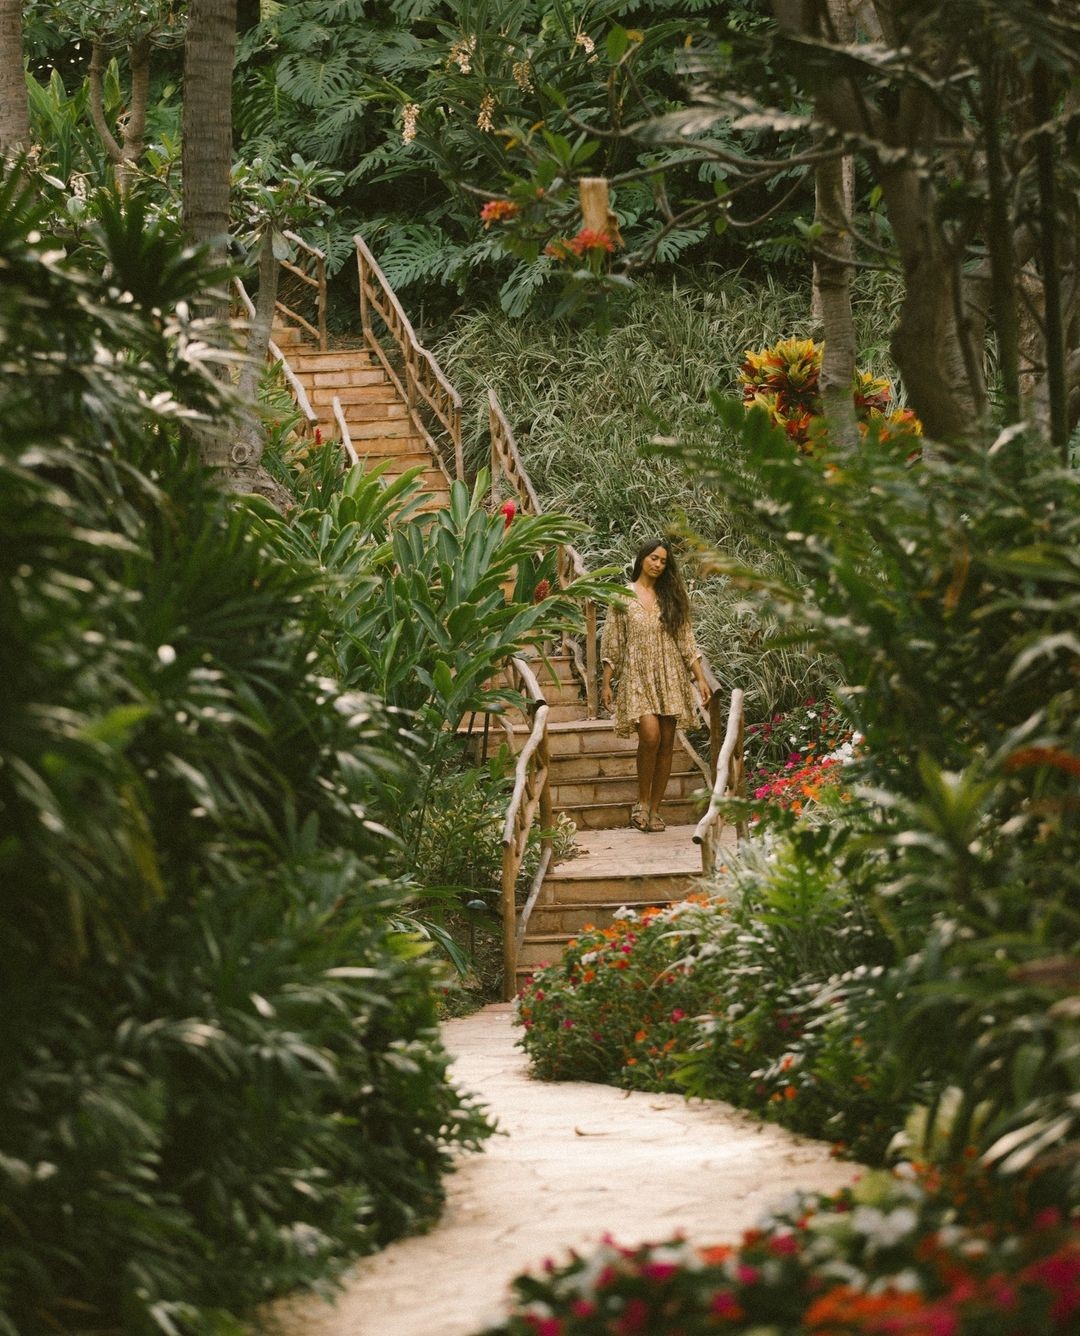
x=575 y=1161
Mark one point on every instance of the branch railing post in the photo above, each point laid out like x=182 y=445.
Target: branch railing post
x=531 y=795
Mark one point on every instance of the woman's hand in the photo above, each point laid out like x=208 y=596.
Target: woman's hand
x=706 y=691
x=607 y=699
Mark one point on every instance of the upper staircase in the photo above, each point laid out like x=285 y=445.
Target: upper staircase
x=389 y=403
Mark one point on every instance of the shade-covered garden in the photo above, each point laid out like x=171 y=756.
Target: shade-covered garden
x=793 y=286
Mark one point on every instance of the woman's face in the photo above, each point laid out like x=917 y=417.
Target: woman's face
x=655 y=563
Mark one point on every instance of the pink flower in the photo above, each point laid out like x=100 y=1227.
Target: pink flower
x=545 y=1326
x=658 y=1271
x=724 y=1304
x=583 y=1308
x=635 y=1318
x=783 y=1245
x=747 y=1275
x=678 y=1014
x=568 y=1024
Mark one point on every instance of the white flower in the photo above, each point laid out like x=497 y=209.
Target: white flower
x=409 y=116
x=461 y=53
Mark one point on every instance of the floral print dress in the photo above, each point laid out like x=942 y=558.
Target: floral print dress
x=652 y=668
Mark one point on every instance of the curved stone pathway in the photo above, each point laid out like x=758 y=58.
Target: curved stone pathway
x=576 y=1161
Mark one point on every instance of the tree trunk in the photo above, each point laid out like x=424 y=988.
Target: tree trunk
x=207 y=156
x=14 y=107
x=926 y=343
x=207 y=147
x=246 y=472
x=833 y=253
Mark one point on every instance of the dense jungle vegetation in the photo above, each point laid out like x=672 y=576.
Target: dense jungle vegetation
x=237 y=839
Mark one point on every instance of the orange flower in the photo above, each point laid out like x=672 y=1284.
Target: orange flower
x=790 y=1092
x=497 y=211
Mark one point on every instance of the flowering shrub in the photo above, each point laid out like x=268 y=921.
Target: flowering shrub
x=784 y=380
x=890 y=1257
x=798 y=759
x=762 y=1001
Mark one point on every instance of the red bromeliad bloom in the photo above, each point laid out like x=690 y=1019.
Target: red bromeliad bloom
x=508 y=510
x=498 y=211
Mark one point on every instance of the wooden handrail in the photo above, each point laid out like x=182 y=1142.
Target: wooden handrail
x=727 y=782
x=421 y=381
x=506 y=463
x=531 y=794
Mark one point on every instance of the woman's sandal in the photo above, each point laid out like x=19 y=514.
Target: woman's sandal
x=657 y=823
x=639 y=817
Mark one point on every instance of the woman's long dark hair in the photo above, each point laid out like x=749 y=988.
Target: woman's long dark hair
x=670 y=590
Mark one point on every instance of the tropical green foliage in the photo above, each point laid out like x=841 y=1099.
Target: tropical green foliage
x=584 y=406
x=917 y=948
x=445 y=101
x=219 y=1074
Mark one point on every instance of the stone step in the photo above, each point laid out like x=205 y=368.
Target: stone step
x=398 y=461
x=564 y=886
x=617 y=789
x=610 y=816
x=586 y=735
x=357 y=414
x=359 y=401
x=590 y=765
x=547 y=949
x=386 y=429
x=342 y=383
x=310 y=360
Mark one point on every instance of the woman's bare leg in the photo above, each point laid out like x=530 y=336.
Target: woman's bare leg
x=662 y=765
x=648 y=740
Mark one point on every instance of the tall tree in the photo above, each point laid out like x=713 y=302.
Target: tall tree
x=14 y=108
x=209 y=54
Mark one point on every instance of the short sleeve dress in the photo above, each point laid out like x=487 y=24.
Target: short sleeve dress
x=652 y=668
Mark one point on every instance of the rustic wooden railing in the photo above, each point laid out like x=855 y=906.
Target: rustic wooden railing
x=531 y=797
x=310 y=270
x=308 y=417
x=433 y=403
x=727 y=783
x=507 y=468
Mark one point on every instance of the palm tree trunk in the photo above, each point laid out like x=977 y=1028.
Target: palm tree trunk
x=14 y=108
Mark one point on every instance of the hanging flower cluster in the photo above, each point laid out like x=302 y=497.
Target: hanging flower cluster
x=522 y=72
x=588 y=242
x=498 y=211
x=409 y=116
x=461 y=54
x=485 y=117
x=784 y=379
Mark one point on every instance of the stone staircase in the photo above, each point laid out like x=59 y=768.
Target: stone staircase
x=378 y=422
x=592 y=774
x=593 y=779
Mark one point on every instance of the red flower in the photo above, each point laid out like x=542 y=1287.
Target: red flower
x=318 y=436
x=497 y=211
x=508 y=510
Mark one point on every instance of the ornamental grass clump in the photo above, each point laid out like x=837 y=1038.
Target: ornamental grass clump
x=893 y=1256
